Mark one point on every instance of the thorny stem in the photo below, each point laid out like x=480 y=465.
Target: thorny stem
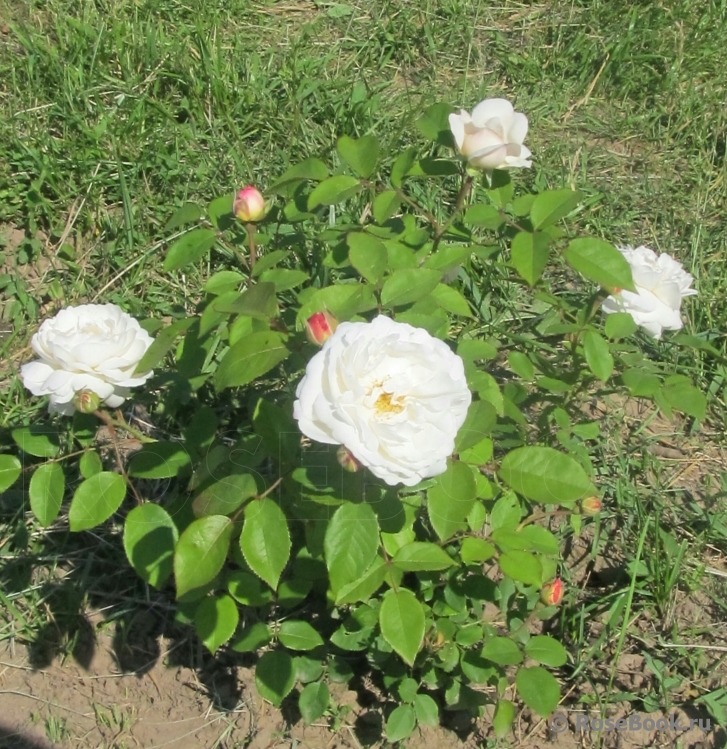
x=122 y=424
x=111 y=425
x=540 y=515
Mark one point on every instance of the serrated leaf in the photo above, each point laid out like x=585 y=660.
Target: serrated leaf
x=187 y=213
x=619 y=325
x=546 y=650
x=521 y=566
x=284 y=279
x=350 y=544
x=503 y=719
x=46 y=490
x=200 y=552
x=529 y=254
x=150 y=536
x=552 y=205
x=95 y=500
x=223 y=497
x=313 y=701
x=333 y=190
x=409 y=285
x=538 y=689
x=215 y=620
x=427 y=710
x=265 y=540
x=159 y=460
x=451 y=498
x=502 y=650
x=40 y=441
x=401 y=723
x=363 y=588
x=299 y=635
x=189 y=248
x=385 y=205
x=275 y=676
x=367 y=255
x=402 y=165
x=451 y=300
x=10 y=468
x=598 y=355
x=420 y=556
x=258 y=301
x=401 y=619
x=476 y=550
x=360 y=154
x=90 y=464
x=484 y=215
x=600 y=262
x=433 y=124
x=162 y=344
x=309 y=169
x=252 y=638
x=250 y=358
x=219 y=212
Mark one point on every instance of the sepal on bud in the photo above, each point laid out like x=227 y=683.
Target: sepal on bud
x=249 y=205
x=320 y=327
x=551 y=594
x=86 y=401
x=347 y=461
x=591 y=506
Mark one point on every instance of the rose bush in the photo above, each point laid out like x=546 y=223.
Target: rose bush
x=94 y=347
x=661 y=283
x=492 y=136
x=390 y=393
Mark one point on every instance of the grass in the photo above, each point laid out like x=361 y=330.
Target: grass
x=114 y=113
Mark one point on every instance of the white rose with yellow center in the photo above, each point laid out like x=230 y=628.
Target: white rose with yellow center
x=390 y=393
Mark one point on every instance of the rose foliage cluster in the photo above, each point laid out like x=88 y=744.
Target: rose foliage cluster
x=371 y=450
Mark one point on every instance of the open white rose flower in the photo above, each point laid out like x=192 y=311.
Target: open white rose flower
x=492 y=136
x=390 y=393
x=661 y=283
x=92 y=347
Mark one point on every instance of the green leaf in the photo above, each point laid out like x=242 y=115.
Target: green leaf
x=598 y=355
x=409 y=285
x=448 y=257
x=408 y=689
x=401 y=723
x=543 y=474
x=451 y=498
x=343 y=301
x=552 y=205
x=476 y=550
x=600 y=262
x=502 y=650
x=530 y=538
x=250 y=358
x=46 y=492
x=451 y=300
x=506 y=512
x=267 y=261
x=538 y=689
x=299 y=635
x=201 y=552
x=334 y=190
x=162 y=344
x=307 y=669
x=484 y=215
x=521 y=365
x=284 y=279
x=223 y=497
x=360 y=155
x=641 y=384
x=219 y=212
x=159 y=460
x=10 y=468
x=420 y=556
x=252 y=638
x=620 y=325
x=401 y=619
x=309 y=169
x=187 y=213
x=427 y=710
x=683 y=396
x=275 y=676
x=259 y=302
x=521 y=566
x=385 y=205
x=90 y=464
x=503 y=719
x=433 y=124
x=350 y=544
x=215 y=620
x=481 y=418
x=478 y=454
x=189 y=248
x=530 y=254
x=367 y=255
x=95 y=500
x=150 y=536
x=427 y=167
x=265 y=540
x=40 y=441
x=546 y=650
x=313 y=701
x=363 y=588
x=248 y=589
x=402 y=165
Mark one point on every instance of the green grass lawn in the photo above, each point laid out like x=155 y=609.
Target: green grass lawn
x=114 y=112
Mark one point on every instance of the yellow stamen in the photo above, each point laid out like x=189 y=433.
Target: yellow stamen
x=384 y=405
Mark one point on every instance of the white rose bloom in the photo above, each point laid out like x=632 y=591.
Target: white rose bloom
x=492 y=137
x=392 y=394
x=92 y=347
x=661 y=283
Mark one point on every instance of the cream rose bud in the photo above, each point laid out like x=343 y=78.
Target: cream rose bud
x=391 y=394
x=661 y=283
x=492 y=136
x=249 y=205
x=93 y=348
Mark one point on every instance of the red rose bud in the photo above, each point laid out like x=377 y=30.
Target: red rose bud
x=86 y=401
x=249 y=205
x=591 y=506
x=347 y=461
x=551 y=594
x=320 y=326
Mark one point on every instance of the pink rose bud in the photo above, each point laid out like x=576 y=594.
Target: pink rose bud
x=551 y=593
x=249 y=205
x=591 y=505
x=347 y=461
x=86 y=401
x=320 y=326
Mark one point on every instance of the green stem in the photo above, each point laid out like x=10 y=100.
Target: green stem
x=464 y=192
x=250 y=227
